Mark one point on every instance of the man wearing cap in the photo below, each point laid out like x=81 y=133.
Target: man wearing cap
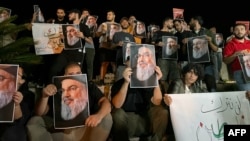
x=74 y=55
x=97 y=125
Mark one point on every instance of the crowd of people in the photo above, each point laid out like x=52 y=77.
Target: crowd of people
x=176 y=59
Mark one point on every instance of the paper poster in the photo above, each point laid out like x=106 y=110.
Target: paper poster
x=8 y=87
x=71 y=102
x=48 y=38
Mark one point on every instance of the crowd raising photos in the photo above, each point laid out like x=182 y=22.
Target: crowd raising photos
x=154 y=82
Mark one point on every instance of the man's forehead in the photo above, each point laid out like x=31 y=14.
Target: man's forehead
x=144 y=49
x=198 y=40
x=3 y=72
x=65 y=82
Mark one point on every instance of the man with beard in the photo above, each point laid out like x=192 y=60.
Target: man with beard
x=140 y=29
x=106 y=52
x=118 y=41
x=74 y=97
x=72 y=39
x=4 y=14
x=7 y=90
x=200 y=48
x=169 y=67
x=60 y=17
x=72 y=55
x=170 y=48
x=24 y=101
x=137 y=112
x=99 y=122
x=239 y=45
x=144 y=73
x=197 y=29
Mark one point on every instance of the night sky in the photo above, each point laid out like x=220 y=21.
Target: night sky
x=221 y=15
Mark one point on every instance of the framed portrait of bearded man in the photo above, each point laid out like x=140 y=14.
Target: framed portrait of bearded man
x=71 y=102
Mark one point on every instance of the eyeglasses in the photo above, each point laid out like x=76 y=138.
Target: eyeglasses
x=2 y=78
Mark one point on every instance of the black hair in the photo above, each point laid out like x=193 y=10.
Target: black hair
x=239 y=24
x=166 y=19
x=197 y=68
x=199 y=19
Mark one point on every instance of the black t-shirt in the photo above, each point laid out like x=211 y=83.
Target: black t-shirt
x=158 y=38
x=137 y=100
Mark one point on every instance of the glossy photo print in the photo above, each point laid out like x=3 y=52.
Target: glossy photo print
x=143 y=63
x=245 y=66
x=8 y=87
x=197 y=49
x=140 y=29
x=170 y=47
x=5 y=13
x=178 y=13
x=112 y=28
x=71 y=40
x=126 y=50
x=71 y=102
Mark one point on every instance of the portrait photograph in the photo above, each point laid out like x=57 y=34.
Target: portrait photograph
x=47 y=38
x=5 y=13
x=143 y=63
x=71 y=41
x=126 y=50
x=112 y=28
x=39 y=17
x=71 y=102
x=197 y=49
x=8 y=87
x=152 y=29
x=245 y=66
x=140 y=29
x=219 y=40
x=91 y=21
x=170 y=47
x=178 y=13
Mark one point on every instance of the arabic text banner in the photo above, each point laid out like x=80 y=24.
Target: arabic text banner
x=202 y=116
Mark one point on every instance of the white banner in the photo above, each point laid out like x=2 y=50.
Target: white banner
x=202 y=116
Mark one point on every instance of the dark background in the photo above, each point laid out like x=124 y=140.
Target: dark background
x=221 y=14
